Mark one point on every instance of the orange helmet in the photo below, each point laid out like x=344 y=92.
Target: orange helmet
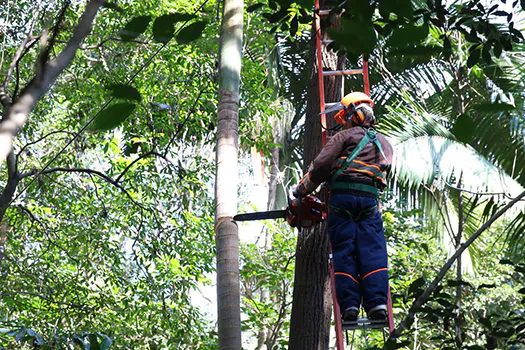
x=349 y=104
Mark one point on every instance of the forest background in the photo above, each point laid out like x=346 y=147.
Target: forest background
x=106 y=235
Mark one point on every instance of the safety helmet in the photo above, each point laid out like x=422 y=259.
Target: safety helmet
x=350 y=105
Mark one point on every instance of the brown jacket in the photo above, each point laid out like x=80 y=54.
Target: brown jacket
x=334 y=153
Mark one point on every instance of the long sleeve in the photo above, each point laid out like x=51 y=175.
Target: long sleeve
x=322 y=165
x=363 y=169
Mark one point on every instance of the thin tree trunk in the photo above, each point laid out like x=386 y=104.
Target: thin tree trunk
x=226 y=230
x=459 y=275
x=312 y=300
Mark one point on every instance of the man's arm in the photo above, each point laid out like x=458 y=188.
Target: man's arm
x=322 y=166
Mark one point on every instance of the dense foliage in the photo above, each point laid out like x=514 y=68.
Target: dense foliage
x=106 y=234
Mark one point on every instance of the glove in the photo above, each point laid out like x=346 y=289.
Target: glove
x=295 y=194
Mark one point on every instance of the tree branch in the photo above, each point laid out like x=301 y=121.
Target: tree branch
x=12 y=183
x=5 y=100
x=43 y=138
x=46 y=231
x=147 y=154
x=16 y=116
x=21 y=48
x=423 y=298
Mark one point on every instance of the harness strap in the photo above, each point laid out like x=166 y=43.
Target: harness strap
x=354 y=186
x=369 y=136
x=355 y=215
x=364 y=141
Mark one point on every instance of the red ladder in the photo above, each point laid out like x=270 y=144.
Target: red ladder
x=361 y=322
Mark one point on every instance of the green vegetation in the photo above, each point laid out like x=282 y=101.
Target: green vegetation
x=106 y=206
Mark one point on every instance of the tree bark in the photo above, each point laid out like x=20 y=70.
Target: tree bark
x=226 y=230
x=312 y=300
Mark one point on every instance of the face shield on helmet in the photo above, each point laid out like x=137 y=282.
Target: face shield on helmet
x=352 y=106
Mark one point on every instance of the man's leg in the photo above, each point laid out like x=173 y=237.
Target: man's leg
x=342 y=239
x=373 y=262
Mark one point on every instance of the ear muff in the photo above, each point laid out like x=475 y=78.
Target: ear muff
x=340 y=116
x=358 y=117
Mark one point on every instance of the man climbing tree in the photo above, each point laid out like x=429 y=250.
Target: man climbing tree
x=354 y=163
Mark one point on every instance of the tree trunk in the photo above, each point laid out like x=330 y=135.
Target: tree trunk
x=226 y=230
x=459 y=275
x=312 y=300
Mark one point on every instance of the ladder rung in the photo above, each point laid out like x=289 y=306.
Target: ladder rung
x=365 y=323
x=327 y=12
x=327 y=41
x=330 y=104
x=328 y=73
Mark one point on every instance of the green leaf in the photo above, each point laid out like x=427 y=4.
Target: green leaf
x=78 y=339
x=163 y=28
x=93 y=342
x=392 y=344
x=444 y=303
x=486 y=322
x=37 y=337
x=113 y=116
x=463 y=129
x=106 y=342
x=134 y=28
x=473 y=57
x=416 y=285
x=506 y=262
x=355 y=37
x=456 y=283
x=294 y=26
x=191 y=32
x=254 y=7
x=126 y=92
x=112 y=6
x=484 y=285
x=408 y=35
x=493 y=107
x=21 y=334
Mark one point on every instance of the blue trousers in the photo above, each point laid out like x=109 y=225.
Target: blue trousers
x=359 y=251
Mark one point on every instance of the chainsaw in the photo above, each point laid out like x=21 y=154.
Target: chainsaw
x=302 y=212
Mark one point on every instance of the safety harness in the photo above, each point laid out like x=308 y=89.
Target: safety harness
x=372 y=170
x=356 y=215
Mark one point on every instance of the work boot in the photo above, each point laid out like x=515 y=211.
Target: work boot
x=377 y=313
x=350 y=314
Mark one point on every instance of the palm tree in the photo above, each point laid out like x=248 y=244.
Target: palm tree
x=226 y=231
